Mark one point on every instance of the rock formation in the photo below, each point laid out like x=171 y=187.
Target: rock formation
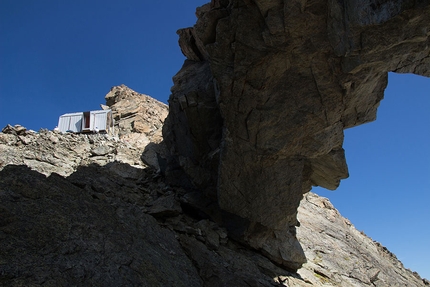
x=138 y=117
x=49 y=152
x=258 y=110
x=84 y=210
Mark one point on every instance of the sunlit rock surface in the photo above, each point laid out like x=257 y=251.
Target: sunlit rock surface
x=139 y=117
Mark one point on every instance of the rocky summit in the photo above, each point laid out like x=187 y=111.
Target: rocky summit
x=92 y=210
x=258 y=110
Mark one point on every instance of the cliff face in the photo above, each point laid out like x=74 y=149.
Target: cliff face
x=112 y=221
x=258 y=110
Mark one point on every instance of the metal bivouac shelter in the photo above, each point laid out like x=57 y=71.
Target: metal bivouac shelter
x=87 y=122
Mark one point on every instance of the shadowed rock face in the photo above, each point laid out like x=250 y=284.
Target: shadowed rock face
x=258 y=110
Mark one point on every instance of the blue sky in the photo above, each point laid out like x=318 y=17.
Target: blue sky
x=64 y=56
x=387 y=194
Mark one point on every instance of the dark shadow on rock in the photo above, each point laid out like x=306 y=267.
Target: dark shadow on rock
x=155 y=155
x=201 y=202
x=87 y=229
x=94 y=228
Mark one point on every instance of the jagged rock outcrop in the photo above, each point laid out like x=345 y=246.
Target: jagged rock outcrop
x=258 y=110
x=138 y=117
x=109 y=223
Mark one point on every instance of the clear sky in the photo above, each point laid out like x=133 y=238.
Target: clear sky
x=387 y=194
x=64 y=56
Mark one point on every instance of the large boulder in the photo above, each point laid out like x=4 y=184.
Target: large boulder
x=258 y=110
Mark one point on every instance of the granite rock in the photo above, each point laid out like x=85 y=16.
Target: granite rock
x=258 y=110
x=136 y=113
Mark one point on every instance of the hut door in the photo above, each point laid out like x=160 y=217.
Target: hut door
x=86 y=121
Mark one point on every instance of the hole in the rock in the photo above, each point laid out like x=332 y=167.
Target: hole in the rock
x=388 y=192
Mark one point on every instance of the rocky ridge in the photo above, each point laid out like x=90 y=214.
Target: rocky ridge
x=50 y=151
x=86 y=210
x=138 y=117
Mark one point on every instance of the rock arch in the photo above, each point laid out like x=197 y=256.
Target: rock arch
x=258 y=110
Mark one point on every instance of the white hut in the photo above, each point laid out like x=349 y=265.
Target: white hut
x=87 y=122
x=71 y=122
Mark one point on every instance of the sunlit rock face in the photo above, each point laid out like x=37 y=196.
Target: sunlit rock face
x=258 y=110
x=138 y=117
